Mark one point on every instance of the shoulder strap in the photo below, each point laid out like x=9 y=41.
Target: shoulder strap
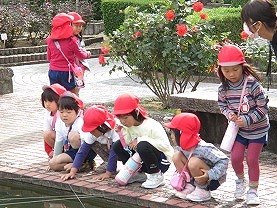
x=242 y=93
x=185 y=166
x=59 y=48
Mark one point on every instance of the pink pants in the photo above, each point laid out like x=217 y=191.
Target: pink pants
x=252 y=160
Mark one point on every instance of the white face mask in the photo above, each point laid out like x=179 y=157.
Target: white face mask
x=247 y=30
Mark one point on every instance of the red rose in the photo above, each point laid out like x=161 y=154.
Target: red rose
x=203 y=16
x=137 y=34
x=105 y=49
x=169 y=15
x=197 y=6
x=181 y=30
x=101 y=59
x=244 y=35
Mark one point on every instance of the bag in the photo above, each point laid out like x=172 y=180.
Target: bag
x=232 y=129
x=229 y=136
x=78 y=76
x=179 y=181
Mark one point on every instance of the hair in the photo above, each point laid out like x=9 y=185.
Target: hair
x=68 y=103
x=259 y=10
x=177 y=135
x=246 y=70
x=103 y=128
x=49 y=95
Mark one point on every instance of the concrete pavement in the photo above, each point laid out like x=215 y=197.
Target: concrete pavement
x=22 y=156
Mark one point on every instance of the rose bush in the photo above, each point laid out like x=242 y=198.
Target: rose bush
x=164 y=49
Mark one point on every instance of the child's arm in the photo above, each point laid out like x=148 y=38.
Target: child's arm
x=111 y=167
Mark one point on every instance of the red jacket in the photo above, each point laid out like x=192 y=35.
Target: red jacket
x=69 y=47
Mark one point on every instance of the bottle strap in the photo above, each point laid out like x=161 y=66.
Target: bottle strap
x=242 y=93
x=185 y=166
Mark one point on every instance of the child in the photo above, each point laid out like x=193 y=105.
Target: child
x=207 y=165
x=145 y=136
x=62 y=61
x=77 y=26
x=49 y=100
x=253 y=120
x=100 y=123
x=68 y=128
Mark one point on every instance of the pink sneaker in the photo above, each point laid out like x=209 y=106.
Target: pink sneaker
x=199 y=195
x=188 y=189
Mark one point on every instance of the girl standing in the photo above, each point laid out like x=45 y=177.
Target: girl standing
x=145 y=136
x=253 y=120
x=49 y=100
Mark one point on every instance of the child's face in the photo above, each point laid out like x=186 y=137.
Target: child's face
x=51 y=106
x=232 y=73
x=68 y=116
x=77 y=28
x=127 y=120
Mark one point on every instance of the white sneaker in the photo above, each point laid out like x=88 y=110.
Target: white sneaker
x=252 y=197
x=154 y=180
x=138 y=177
x=183 y=194
x=240 y=188
x=199 y=195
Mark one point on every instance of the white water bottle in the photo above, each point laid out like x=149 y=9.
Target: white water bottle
x=229 y=136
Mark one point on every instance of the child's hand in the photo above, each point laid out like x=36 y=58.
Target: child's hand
x=67 y=167
x=117 y=127
x=68 y=176
x=103 y=176
x=232 y=117
x=203 y=179
x=239 y=122
x=133 y=144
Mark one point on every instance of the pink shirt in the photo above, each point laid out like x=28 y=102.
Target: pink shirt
x=69 y=47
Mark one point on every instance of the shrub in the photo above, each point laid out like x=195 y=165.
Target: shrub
x=163 y=48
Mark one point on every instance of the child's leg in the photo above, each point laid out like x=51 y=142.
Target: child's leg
x=252 y=159
x=237 y=157
x=195 y=166
x=57 y=163
x=74 y=139
x=179 y=160
x=120 y=152
x=49 y=141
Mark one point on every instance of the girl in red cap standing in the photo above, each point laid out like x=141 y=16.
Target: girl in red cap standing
x=62 y=60
x=49 y=100
x=252 y=121
x=207 y=164
x=68 y=128
x=98 y=127
x=77 y=26
x=145 y=136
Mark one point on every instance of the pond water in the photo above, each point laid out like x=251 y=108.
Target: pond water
x=23 y=195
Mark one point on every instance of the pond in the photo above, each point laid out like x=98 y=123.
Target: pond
x=23 y=195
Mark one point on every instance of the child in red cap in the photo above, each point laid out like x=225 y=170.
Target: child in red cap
x=207 y=165
x=49 y=100
x=98 y=125
x=68 y=129
x=253 y=120
x=145 y=136
x=61 y=68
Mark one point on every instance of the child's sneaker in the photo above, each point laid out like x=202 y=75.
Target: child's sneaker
x=199 y=195
x=240 y=188
x=252 y=197
x=138 y=177
x=154 y=180
x=183 y=194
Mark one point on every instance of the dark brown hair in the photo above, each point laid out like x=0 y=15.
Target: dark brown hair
x=49 y=95
x=68 y=103
x=259 y=10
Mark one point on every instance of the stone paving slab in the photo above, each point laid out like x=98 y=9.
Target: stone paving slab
x=22 y=156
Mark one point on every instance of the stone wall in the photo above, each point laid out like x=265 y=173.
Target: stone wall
x=213 y=122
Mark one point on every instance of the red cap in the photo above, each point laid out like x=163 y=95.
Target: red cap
x=230 y=55
x=61 y=26
x=77 y=18
x=57 y=88
x=75 y=97
x=189 y=125
x=126 y=103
